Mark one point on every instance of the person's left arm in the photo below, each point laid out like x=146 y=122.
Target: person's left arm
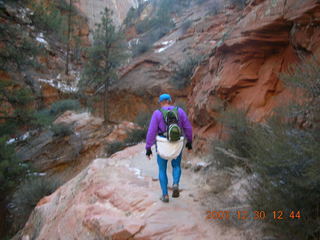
x=152 y=132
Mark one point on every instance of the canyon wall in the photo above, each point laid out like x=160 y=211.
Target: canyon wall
x=244 y=51
x=92 y=9
x=244 y=67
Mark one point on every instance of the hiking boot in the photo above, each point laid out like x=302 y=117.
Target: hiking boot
x=165 y=198
x=175 y=193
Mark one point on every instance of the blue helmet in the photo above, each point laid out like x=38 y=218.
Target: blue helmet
x=164 y=97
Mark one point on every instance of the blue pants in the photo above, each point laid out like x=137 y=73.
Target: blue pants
x=176 y=172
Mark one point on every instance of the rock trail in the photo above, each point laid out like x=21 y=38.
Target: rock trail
x=118 y=198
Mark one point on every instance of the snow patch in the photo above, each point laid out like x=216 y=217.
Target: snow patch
x=39 y=174
x=64 y=86
x=201 y=164
x=165 y=45
x=12 y=140
x=133 y=42
x=40 y=39
x=20 y=138
x=137 y=172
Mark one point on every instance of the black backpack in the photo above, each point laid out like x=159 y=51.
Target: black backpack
x=171 y=118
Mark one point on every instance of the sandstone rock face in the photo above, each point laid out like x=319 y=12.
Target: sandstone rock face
x=245 y=51
x=66 y=156
x=244 y=64
x=47 y=81
x=92 y=9
x=117 y=198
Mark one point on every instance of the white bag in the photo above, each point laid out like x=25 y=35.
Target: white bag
x=169 y=150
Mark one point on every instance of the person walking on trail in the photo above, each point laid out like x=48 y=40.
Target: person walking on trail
x=169 y=128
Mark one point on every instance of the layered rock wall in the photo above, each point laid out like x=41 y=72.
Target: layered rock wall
x=92 y=9
x=244 y=67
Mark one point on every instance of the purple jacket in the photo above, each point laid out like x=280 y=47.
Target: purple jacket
x=157 y=125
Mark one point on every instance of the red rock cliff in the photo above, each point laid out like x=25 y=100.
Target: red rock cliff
x=243 y=70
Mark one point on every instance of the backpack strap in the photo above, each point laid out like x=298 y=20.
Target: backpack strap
x=175 y=110
x=164 y=113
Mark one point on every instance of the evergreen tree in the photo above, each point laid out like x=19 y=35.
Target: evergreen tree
x=104 y=57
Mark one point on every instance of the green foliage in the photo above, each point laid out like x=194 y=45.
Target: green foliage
x=45 y=117
x=106 y=54
x=153 y=24
x=181 y=104
x=283 y=156
x=148 y=40
x=141 y=48
x=309 y=71
x=239 y=3
x=10 y=167
x=20 y=99
x=201 y=1
x=61 y=130
x=215 y=7
x=133 y=14
x=142 y=119
x=114 y=147
x=182 y=74
x=136 y=136
x=238 y=130
x=162 y=17
x=63 y=105
x=42 y=118
x=186 y=25
x=48 y=17
x=28 y=195
x=19 y=50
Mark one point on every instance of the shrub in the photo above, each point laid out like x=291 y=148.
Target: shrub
x=239 y=3
x=19 y=50
x=49 y=18
x=149 y=39
x=11 y=168
x=145 y=25
x=114 y=147
x=64 y=105
x=161 y=19
x=305 y=76
x=181 y=104
x=42 y=118
x=61 y=130
x=201 y=1
x=27 y=196
x=143 y=119
x=215 y=8
x=20 y=99
x=186 y=25
x=131 y=16
x=284 y=158
x=231 y=152
x=182 y=74
x=140 y=48
x=136 y=136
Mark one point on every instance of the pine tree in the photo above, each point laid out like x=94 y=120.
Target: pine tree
x=104 y=57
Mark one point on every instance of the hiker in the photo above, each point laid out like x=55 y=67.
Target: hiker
x=169 y=126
